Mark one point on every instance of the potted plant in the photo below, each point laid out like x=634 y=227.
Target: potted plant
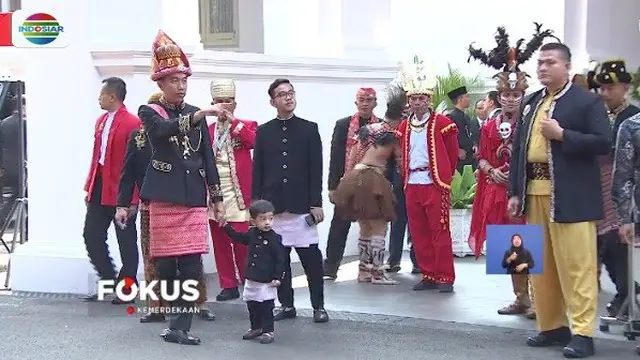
x=463 y=190
x=453 y=79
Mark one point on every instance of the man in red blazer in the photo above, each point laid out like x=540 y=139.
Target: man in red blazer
x=232 y=141
x=429 y=145
x=112 y=132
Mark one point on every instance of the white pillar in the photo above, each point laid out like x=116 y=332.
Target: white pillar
x=575 y=32
x=366 y=28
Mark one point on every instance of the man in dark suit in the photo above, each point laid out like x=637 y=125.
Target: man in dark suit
x=460 y=99
x=112 y=131
x=287 y=171
x=554 y=181
x=342 y=141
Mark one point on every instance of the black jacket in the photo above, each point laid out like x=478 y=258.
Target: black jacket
x=134 y=167
x=338 y=150
x=462 y=121
x=574 y=163
x=266 y=255
x=523 y=257
x=287 y=165
x=174 y=175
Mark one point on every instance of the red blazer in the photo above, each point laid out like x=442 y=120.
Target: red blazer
x=123 y=124
x=243 y=133
x=442 y=143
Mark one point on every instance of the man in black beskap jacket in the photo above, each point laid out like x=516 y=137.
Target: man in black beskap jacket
x=341 y=142
x=287 y=171
x=554 y=181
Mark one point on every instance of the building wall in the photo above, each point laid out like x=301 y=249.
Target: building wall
x=63 y=108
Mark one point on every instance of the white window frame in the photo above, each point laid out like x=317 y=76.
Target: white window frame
x=230 y=39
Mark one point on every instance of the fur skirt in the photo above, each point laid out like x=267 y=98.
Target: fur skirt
x=365 y=194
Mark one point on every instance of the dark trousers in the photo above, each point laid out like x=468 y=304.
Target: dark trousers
x=96 y=224
x=311 y=259
x=614 y=256
x=336 y=243
x=182 y=268
x=261 y=315
x=399 y=227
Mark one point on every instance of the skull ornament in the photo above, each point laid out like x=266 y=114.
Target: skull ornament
x=505 y=130
x=513 y=79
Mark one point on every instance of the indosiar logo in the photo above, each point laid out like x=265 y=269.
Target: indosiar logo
x=38 y=30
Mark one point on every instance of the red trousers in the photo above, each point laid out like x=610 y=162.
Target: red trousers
x=428 y=217
x=229 y=255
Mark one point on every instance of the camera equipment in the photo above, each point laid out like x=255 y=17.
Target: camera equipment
x=12 y=93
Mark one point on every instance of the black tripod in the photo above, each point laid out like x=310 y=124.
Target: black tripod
x=18 y=210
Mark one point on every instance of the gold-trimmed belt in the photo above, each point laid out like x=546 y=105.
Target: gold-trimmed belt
x=538 y=171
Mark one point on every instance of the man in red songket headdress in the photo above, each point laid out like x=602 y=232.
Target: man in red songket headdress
x=429 y=145
x=180 y=181
x=232 y=141
x=343 y=139
x=494 y=156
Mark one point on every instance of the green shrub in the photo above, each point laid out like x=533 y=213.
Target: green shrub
x=463 y=188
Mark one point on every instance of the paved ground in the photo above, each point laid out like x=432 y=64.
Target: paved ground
x=375 y=322
x=64 y=329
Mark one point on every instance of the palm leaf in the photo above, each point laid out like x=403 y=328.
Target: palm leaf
x=453 y=79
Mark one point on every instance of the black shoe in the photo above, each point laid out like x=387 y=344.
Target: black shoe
x=393 y=268
x=181 y=337
x=282 y=313
x=266 y=338
x=415 y=270
x=206 y=314
x=579 y=347
x=228 y=294
x=556 y=337
x=252 y=334
x=330 y=271
x=152 y=318
x=320 y=316
x=425 y=285
x=445 y=288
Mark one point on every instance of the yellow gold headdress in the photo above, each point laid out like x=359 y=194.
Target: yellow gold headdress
x=223 y=89
x=416 y=79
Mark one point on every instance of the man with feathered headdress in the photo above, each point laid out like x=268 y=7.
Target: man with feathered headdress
x=554 y=181
x=494 y=154
x=182 y=160
x=364 y=194
x=429 y=145
x=232 y=141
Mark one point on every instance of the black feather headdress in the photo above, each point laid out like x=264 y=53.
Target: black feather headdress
x=506 y=58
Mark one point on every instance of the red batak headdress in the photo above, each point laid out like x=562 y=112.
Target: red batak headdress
x=168 y=58
x=366 y=93
x=508 y=59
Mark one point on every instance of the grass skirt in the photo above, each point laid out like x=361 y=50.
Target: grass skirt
x=365 y=194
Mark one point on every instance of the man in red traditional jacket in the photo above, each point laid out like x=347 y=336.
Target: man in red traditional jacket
x=111 y=136
x=490 y=202
x=232 y=141
x=429 y=144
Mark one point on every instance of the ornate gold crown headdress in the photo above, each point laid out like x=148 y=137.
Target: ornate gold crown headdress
x=416 y=79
